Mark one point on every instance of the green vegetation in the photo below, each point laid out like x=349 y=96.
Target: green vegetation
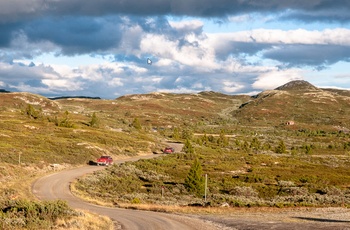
x=136 y=124
x=244 y=145
x=94 y=120
x=194 y=181
x=235 y=177
x=20 y=214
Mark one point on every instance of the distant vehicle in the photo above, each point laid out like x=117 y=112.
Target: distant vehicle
x=168 y=150
x=105 y=160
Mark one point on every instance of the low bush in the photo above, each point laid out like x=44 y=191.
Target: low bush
x=17 y=214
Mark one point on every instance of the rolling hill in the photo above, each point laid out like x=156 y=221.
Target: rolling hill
x=42 y=138
x=301 y=102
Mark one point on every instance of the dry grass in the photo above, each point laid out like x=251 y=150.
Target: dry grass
x=84 y=196
x=213 y=210
x=88 y=221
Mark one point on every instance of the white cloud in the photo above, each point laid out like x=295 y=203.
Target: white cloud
x=115 y=82
x=231 y=86
x=240 y=18
x=200 y=56
x=186 y=25
x=62 y=84
x=273 y=79
x=164 y=62
x=338 y=36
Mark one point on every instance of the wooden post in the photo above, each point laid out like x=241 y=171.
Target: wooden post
x=205 y=188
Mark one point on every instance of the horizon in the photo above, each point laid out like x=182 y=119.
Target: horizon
x=53 y=97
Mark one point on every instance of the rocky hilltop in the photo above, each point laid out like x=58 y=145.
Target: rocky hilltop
x=298 y=85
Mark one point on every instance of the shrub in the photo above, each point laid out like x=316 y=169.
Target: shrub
x=31 y=112
x=34 y=215
x=243 y=191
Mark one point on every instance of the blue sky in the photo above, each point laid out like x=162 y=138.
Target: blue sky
x=100 y=48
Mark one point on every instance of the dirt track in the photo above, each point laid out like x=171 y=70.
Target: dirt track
x=56 y=186
x=287 y=219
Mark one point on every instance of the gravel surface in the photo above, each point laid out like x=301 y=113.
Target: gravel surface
x=286 y=219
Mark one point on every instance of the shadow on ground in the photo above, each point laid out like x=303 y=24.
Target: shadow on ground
x=322 y=220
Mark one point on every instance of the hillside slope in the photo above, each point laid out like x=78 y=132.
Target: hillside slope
x=61 y=130
x=57 y=131
x=299 y=101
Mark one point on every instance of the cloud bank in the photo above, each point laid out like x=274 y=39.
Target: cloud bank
x=121 y=35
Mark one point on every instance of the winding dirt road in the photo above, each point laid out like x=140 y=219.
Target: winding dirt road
x=56 y=186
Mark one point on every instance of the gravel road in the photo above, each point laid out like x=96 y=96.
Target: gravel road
x=56 y=186
x=286 y=219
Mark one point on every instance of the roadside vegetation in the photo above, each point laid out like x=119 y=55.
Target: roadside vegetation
x=267 y=170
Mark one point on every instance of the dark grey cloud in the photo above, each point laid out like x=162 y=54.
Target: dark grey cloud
x=342 y=15
x=318 y=56
x=314 y=9
x=202 y=8
x=7 y=32
x=76 y=35
x=161 y=25
x=240 y=49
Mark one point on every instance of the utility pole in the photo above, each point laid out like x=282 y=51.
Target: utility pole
x=19 y=157
x=205 y=188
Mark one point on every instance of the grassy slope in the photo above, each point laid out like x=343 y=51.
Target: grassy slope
x=322 y=108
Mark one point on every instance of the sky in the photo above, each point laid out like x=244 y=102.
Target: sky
x=101 y=48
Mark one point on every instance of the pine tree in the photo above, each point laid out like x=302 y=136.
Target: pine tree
x=188 y=148
x=187 y=134
x=223 y=140
x=94 y=120
x=176 y=133
x=255 y=144
x=31 y=112
x=281 y=148
x=136 y=124
x=194 y=181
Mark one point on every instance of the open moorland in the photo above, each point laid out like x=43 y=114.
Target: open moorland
x=287 y=147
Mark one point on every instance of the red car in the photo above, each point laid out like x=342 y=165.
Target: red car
x=104 y=160
x=168 y=150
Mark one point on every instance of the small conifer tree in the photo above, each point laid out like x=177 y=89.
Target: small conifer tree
x=94 y=120
x=281 y=147
x=188 y=148
x=136 y=124
x=194 y=181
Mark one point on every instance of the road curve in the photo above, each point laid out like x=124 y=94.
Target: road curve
x=56 y=186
